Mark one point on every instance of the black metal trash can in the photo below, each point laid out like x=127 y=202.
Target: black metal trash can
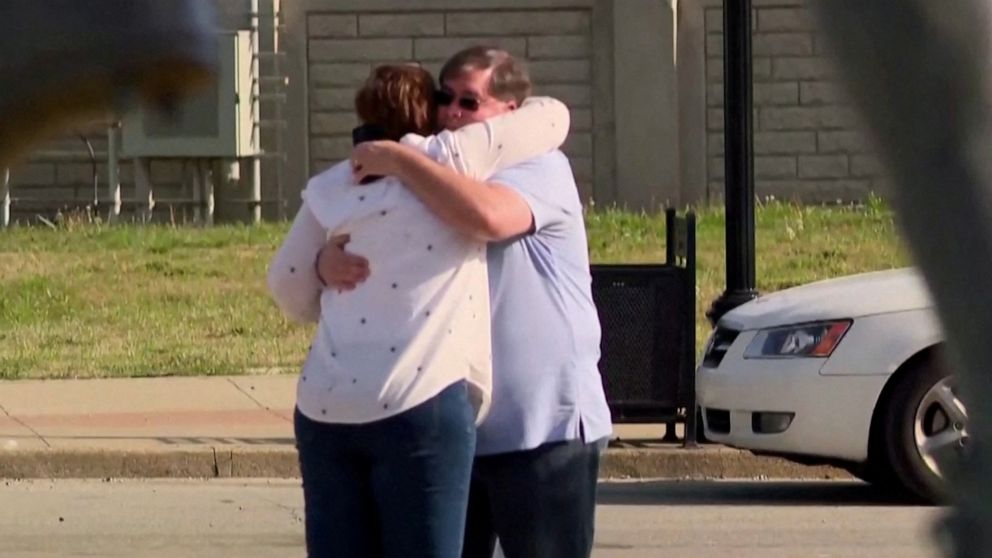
x=647 y=313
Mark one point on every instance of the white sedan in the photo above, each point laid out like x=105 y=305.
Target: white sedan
x=846 y=371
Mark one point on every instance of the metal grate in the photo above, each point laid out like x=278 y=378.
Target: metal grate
x=648 y=315
x=640 y=309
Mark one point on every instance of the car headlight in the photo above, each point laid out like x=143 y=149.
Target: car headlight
x=804 y=340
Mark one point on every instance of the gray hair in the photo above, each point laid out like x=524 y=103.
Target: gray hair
x=509 y=81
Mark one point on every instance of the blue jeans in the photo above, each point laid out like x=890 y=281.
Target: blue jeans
x=541 y=503
x=393 y=488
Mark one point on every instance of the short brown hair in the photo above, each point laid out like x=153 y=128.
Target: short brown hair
x=399 y=98
x=509 y=80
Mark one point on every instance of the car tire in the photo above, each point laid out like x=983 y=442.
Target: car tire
x=911 y=421
x=877 y=472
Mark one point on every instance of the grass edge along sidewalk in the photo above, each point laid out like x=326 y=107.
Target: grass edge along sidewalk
x=86 y=300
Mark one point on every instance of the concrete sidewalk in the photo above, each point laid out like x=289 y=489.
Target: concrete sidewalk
x=241 y=426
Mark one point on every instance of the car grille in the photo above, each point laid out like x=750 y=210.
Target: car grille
x=718 y=421
x=719 y=345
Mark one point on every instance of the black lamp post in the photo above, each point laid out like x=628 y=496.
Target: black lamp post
x=739 y=157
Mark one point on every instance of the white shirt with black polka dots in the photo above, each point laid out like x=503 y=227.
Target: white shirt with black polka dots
x=421 y=322
x=417 y=325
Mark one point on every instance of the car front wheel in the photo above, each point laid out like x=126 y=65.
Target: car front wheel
x=925 y=429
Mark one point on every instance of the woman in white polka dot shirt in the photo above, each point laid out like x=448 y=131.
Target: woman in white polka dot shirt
x=399 y=371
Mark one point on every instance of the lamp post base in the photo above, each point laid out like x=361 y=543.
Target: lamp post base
x=727 y=302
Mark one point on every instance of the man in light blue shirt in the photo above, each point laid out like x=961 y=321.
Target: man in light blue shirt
x=534 y=477
x=546 y=339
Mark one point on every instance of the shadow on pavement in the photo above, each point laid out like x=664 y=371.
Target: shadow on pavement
x=747 y=493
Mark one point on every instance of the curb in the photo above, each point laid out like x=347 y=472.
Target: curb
x=281 y=462
x=206 y=462
x=708 y=463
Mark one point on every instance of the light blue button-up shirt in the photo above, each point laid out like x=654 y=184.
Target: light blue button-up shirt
x=545 y=328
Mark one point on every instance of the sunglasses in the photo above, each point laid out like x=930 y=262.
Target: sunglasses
x=445 y=98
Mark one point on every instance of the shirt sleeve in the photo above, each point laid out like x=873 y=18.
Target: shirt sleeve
x=482 y=149
x=548 y=186
x=323 y=195
x=292 y=278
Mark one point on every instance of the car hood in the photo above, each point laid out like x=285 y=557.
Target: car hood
x=845 y=297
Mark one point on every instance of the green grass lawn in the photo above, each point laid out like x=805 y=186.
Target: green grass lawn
x=101 y=301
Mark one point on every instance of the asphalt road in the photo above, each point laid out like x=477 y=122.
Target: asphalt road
x=261 y=518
